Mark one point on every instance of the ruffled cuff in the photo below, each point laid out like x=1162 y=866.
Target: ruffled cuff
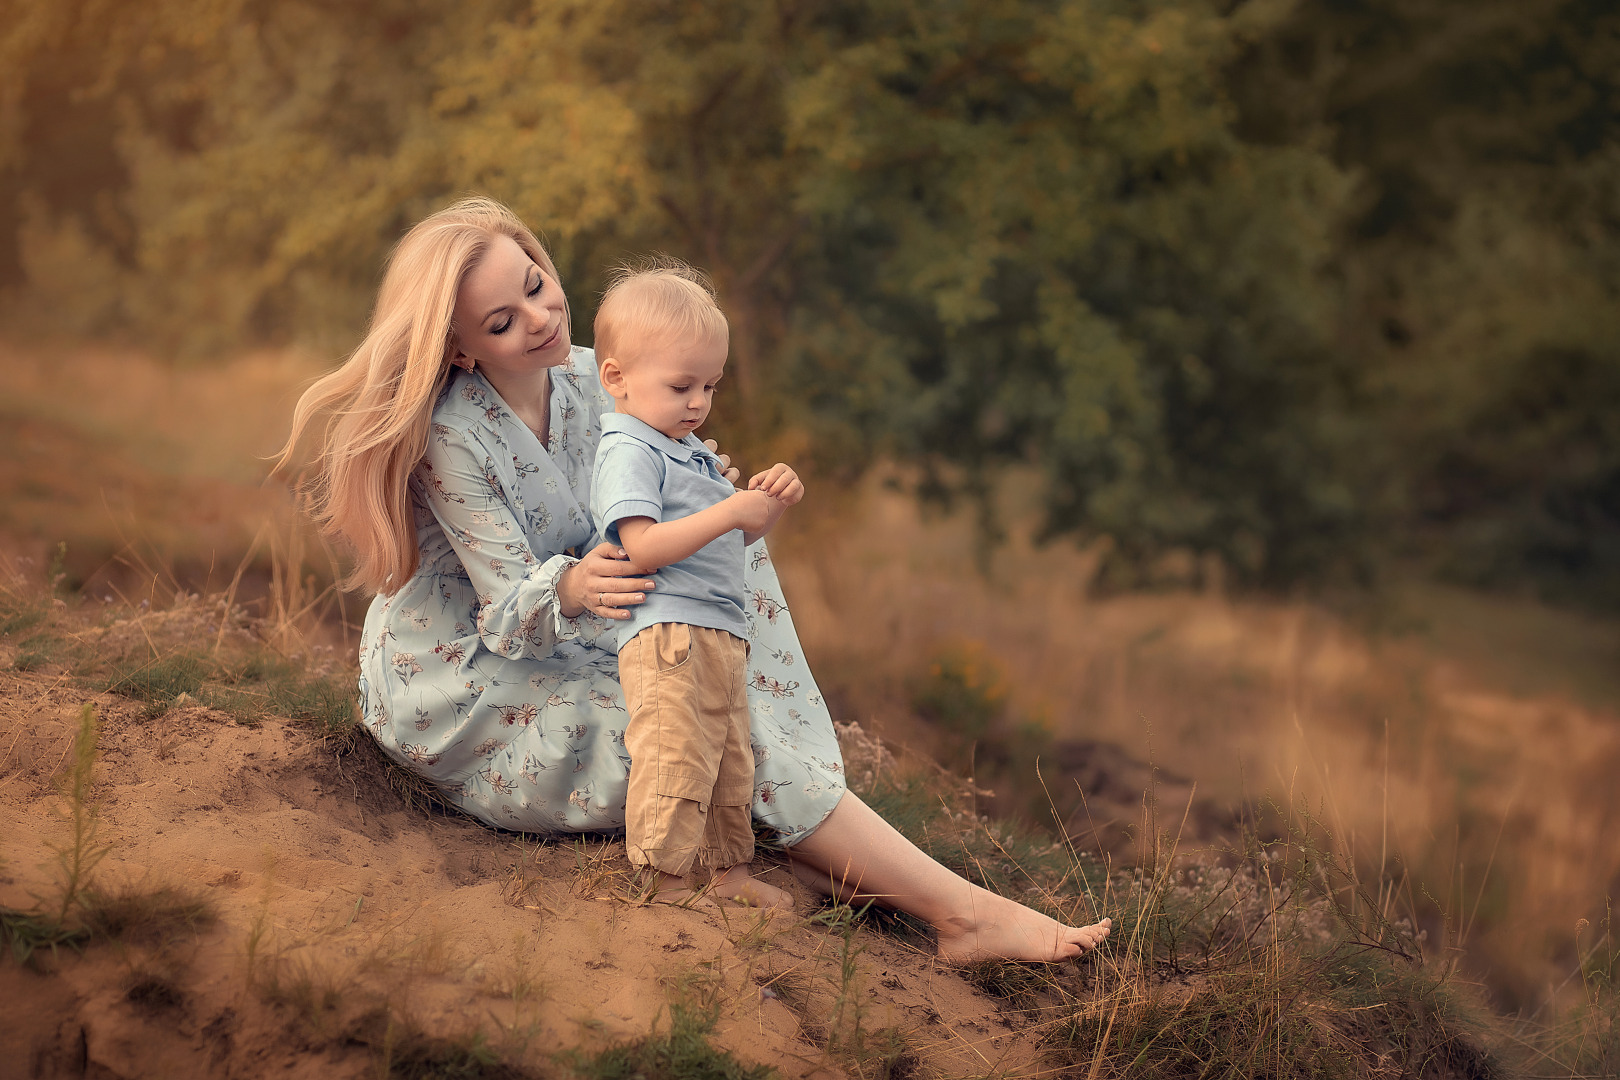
x=585 y=627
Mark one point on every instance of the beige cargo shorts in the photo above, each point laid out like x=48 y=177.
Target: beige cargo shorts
x=691 y=765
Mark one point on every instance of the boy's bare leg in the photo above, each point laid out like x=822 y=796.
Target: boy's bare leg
x=738 y=883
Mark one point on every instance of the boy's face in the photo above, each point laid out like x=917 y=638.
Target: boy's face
x=669 y=385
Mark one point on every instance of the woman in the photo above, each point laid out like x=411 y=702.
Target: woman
x=454 y=467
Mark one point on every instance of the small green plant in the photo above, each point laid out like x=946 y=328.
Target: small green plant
x=80 y=854
x=83 y=911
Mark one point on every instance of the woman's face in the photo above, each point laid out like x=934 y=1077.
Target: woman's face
x=511 y=317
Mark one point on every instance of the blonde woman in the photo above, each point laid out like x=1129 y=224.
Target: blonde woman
x=455 y=465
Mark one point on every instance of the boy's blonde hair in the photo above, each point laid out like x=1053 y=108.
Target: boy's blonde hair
x=663 y=298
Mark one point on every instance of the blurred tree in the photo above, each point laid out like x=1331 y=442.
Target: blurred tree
x=1260 y=278
x=1047 y=244
x=1482 y=261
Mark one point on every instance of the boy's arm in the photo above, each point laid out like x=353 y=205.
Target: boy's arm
x=777 y=506
x=658 y=543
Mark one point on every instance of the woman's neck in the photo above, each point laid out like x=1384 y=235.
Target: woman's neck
x=528 y=396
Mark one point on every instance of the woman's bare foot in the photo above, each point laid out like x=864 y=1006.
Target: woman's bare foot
x=1004 y=929
x=738 y=884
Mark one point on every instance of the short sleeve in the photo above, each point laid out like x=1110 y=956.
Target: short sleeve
x=628 y=482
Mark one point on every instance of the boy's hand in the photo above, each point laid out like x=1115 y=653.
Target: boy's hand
x=753 y=511
x=779 y=482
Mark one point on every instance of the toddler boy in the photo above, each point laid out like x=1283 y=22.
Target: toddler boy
x=659 y=493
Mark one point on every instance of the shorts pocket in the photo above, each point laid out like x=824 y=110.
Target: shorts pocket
x=676 y=786
x=674 y=642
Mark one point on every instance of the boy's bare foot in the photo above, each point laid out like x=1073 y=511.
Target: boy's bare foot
x=1004 y=929
x=671 y=889
x=738 y=884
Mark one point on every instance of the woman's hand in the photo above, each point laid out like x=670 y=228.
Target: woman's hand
x=598 y=583
x=725 y=461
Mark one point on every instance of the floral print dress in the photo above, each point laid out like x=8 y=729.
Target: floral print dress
x=471 y=676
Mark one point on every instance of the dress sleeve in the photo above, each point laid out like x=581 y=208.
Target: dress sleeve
x=519 y=614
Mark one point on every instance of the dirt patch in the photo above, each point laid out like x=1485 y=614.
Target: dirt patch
x=345 y=907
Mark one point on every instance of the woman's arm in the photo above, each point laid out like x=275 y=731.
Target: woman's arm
x=530 y=602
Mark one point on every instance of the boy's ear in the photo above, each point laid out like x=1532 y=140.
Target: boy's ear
x=612 y=375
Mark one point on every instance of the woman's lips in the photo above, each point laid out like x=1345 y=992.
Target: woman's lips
x=546 y=344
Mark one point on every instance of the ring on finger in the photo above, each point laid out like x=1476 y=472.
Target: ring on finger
x=601 y=600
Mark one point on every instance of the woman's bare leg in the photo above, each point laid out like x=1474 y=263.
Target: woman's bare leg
x=857 y=856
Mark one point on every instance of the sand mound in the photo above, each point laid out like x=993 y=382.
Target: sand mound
x=351 y=926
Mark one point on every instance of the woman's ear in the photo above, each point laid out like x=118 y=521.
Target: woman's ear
x=459 y=358
x=612 y=375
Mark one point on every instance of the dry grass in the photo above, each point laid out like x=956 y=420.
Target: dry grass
x=1268 y=959
x=1457 y=747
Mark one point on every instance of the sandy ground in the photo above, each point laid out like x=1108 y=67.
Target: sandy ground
x=344 y=911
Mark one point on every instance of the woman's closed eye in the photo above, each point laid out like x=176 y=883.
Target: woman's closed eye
x=532 y=291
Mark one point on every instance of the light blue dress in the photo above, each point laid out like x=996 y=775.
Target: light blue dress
x=471 y=676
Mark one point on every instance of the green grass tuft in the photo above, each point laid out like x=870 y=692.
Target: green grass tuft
x=684 y=1052
x=26 y=932
x=419 y=1057
x=159 y=680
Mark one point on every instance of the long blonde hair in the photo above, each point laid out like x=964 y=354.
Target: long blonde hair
x=378 y=405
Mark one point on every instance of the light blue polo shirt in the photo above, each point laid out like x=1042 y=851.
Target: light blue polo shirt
x=641 y=472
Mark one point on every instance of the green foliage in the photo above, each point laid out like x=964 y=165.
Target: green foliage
x=963 y=692
x=1052 y=247
x=270 y=682
x=1479 y=264
x=1303 y=284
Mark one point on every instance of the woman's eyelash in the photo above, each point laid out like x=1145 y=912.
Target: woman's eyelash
x=507 y=325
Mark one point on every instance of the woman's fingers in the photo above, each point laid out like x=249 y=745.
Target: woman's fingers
x=726 y=470
x=612 y=605
x=611 y=561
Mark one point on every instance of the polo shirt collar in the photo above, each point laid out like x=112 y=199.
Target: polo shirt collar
x=682 y=450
